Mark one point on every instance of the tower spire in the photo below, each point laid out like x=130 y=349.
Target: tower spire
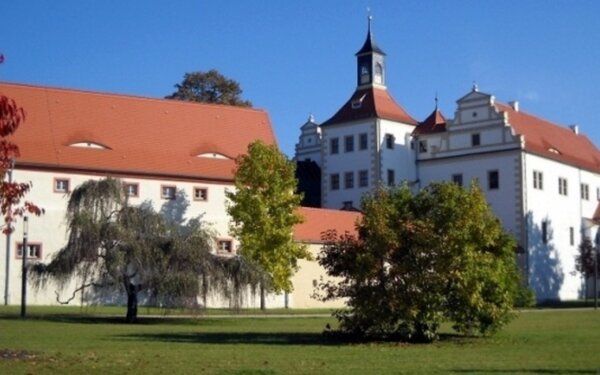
x=370 y=60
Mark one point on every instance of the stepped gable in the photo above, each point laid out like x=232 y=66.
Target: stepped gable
x=371 y=102
x=319 y=220
x=90 y=132
x=553 y=141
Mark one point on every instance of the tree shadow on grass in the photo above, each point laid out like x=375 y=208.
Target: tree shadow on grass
x=524 y=371
x=97 y=319
x=276 y=338
x=227 y=338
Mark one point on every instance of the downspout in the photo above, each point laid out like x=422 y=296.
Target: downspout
x=524 y=215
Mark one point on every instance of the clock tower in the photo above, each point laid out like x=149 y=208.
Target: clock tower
x=370 y=64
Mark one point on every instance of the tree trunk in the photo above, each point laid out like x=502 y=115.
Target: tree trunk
x=132 y=303
x=262 y=296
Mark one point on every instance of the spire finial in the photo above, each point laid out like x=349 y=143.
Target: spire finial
x=369 y=18
x=436 y=100
x=475 y=87
x=311 y=117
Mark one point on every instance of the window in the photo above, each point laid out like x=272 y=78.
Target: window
x=562 y=186
x=224 y=246
x=61 y=185
x=391 y=177
x=422 y=146
x=389 y=141
x=334 y=145
x=363 y=141
x=363 y=178
x=475 y=139
x=572 y=236
x=585 y=192
x=458 y=179
x=538 y=180
x=335 y=181
x=545 y=232
x=349 y=180
x=132 y=190
x=200 y=194
x=349 y=143
x=493 y=180
x=35 y=251
x=167 y=192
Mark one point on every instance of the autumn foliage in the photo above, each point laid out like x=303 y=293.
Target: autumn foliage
x=11 y=193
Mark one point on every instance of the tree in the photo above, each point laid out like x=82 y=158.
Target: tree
x=421 y=259
x=113 y=246
x=11 y=193
x=209 y=87
x=584 y=261
x=263 y=210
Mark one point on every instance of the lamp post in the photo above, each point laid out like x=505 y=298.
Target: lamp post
x=24 y=251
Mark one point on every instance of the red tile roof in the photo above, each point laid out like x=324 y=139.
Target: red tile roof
x=319 y=220
x=553 y=141
x=434 y=123
x=371 y=102
x=142 y=136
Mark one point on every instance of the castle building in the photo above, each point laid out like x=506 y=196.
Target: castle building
x=542 y=180
x=176 y=156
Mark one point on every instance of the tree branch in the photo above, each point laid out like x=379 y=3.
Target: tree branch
x=74 y=293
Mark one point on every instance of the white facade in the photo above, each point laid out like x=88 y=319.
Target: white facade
x=49 y=230
x=541 y=180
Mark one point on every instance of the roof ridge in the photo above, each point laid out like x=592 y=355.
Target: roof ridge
x=123 y=96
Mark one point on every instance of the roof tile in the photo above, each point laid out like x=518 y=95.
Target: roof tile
x=149 y=136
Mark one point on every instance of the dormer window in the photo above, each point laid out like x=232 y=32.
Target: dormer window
x=88 y=144
x=554 y=151
x=213 y=155
x=357 y=103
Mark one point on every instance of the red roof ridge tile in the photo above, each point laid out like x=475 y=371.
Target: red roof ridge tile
x=109 y=94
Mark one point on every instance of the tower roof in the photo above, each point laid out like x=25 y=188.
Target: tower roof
x=434 y=123
x=371 y=102
x=370 y=46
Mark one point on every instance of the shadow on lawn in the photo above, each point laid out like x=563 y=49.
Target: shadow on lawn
x=525 y=371
x=274 y=338
x=257 y=338
x=99 y=319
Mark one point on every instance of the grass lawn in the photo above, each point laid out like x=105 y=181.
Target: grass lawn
x=537 y=342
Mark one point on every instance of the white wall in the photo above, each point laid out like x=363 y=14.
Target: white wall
x=552 y=265
x=49 y=230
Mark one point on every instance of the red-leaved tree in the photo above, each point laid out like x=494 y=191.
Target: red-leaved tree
x=11 y=193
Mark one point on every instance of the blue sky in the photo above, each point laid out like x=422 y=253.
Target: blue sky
x=294 y=58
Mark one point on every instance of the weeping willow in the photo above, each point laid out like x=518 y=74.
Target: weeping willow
x=115 y=247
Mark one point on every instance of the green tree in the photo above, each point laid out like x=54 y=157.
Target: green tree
x=263 y=209
x=209 y=87
x=115 y=246
x=421 y=259
x=584 y=261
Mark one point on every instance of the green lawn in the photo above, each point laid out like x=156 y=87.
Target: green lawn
x=537 y=342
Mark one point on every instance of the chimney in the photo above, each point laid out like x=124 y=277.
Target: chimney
x=574 y=128
x=515 y=105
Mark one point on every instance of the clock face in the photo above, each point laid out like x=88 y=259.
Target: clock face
x=364 y=70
